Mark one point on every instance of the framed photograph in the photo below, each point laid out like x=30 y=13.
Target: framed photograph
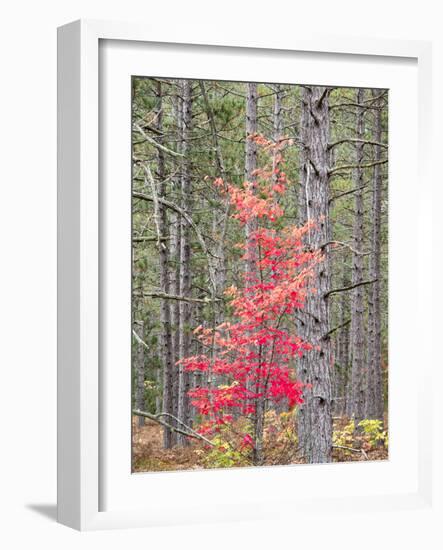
x=240 y=267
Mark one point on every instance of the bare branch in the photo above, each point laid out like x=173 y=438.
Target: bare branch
x=178 y=298
x=355 y=140
x=152 y=129
x=191 y=222
x=155 y=143
x=346 y=245
x=346 y=288
x=147 y=239
x=157 y=213
x=165 y=202
x=366 y=104
x=326 y=92
x=139 y=340
x=342 y=325
x=340 y=195
x=352 y=166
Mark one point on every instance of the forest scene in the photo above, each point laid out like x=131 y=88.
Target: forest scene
x=259 y=274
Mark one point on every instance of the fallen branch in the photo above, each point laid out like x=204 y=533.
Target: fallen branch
x=362 y=451
x=189 y=433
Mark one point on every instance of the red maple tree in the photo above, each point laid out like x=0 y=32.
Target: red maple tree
x=254 y=354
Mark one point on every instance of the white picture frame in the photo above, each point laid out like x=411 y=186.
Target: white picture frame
x=82 y=416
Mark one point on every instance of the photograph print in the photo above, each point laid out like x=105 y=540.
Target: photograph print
x=259 y=274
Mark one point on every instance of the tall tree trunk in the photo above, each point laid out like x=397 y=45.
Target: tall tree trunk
x=159 y=382
x=250 y=227
x=165 y=314
x=219 y=217
x=375 y=407
x=251 y=152
x=277 y=135
x=185 y=260
x=302 y=318
x=341 y=370
x=358 y=368
x=277 y=114
x=174 y=287
x=302 y=214
x=314 y=416
x=140 y=372
x=174 y=257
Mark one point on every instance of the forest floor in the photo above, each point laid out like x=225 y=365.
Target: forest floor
x=149 y=454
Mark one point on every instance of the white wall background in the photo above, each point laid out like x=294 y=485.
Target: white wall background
x=28 y=252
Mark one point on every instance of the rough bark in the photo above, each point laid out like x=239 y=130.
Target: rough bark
x=314 y=416
x=374 y=408
x=358 y=388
